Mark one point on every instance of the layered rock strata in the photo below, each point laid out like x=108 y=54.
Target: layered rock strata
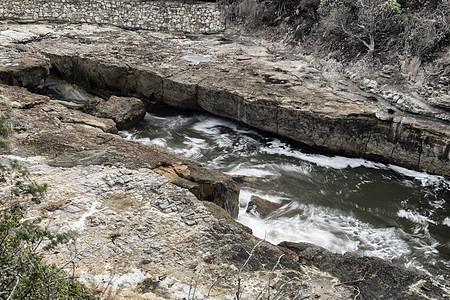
x=247 y=83
x=138 y=235
x=68 y=137
x=141 y=237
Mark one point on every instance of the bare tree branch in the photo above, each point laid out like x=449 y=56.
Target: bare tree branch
x=14 y=288
x=238 y=292
x=271 y=273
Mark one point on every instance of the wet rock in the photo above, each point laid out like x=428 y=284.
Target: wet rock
x=125 y=111
x=374 y=278
x=298 y=247
x=260 y=207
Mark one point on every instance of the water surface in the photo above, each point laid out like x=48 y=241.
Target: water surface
x=342 y=204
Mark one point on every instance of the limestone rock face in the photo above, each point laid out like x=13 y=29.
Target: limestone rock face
x=124 y=111
x=269 y=91
x=260 y=207
x=69 y=138
x=27 y=71
x=206 y=184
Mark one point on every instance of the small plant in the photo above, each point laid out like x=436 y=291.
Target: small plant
x=5 y=129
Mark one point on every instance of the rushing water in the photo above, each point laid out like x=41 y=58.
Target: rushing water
x=343 y=204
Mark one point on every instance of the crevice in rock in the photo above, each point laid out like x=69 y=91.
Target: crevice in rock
x=31 y=105
x=104 y=79
x=420 y=154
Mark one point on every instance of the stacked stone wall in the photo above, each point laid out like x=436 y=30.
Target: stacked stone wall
x=194 y=17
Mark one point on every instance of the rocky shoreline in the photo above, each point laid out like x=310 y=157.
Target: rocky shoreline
x=143 y=237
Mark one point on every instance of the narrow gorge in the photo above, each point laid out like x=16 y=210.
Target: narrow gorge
x=153 y=224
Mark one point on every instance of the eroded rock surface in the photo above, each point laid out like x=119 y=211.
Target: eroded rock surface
x=140 y=237
x=68 y=138
x=247 y=82
x=125 y=111
x=373 y=277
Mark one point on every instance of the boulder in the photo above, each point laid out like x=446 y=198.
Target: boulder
x=260 y=207
x=206 y=185
x=125 y=111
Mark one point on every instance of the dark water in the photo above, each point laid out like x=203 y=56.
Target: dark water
x=340 y=203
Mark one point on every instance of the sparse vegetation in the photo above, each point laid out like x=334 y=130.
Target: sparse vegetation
x=354 y=27
x=24 y=274
x=5 y=130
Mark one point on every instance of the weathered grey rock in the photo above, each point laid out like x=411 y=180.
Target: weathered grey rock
x=129 y=234
x=26 y=71
x=375 y=278
x=69 y=138
x=260 y=207
x=205 y=184
x=125 y=111
x=219 y=213
x=440 y=102
x=345 y=120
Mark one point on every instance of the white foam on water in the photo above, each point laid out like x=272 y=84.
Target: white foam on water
x=336 y=162
x=446 y=222
x=304 y=169
x=246 y=194
x=242 y=151
x=252 y=170
x=194 y=148
x=167 y=124
x=209 y=126
x=415 y=217
x=425 y=178
x=325 y=227
x=160 y=142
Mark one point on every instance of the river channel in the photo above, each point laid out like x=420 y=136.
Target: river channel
x=342 y=204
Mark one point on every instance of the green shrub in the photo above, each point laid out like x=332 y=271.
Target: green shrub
x=24 y=274
x=5 y=130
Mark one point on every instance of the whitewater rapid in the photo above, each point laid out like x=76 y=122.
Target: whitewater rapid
x=342 y=204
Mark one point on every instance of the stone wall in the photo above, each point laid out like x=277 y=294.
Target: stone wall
x=194 y=17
